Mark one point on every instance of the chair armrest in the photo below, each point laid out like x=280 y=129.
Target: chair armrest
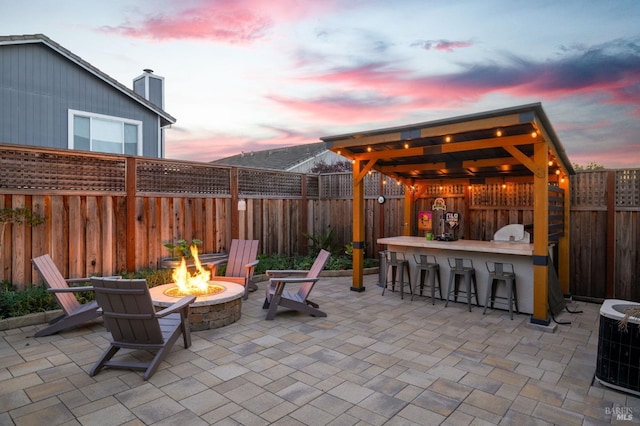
x=88 y=279
x=70 y=289
x=283 y=272
x=78 y=280
x=80 y=287
x=213 y=265
x=252 y=264
x=176 y=307
x=292 y=280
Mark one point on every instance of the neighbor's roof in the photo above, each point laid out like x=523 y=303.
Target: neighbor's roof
x=476 y=147
x=41 y=38
x=277 y=159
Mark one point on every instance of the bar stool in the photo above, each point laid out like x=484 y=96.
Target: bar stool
x=462 y=268
x=501 y=272
x=428 y=268
x=397 y=261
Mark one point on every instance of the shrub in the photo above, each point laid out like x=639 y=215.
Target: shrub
x=15 y=303
x=154 y=277
x=279 y=262
x=325 y=241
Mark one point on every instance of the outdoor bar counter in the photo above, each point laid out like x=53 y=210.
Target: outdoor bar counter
x=518 y=254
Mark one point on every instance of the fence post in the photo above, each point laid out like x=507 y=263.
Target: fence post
x=304 y=216
x=130 y=185
x=233 y=186
x=611 y=234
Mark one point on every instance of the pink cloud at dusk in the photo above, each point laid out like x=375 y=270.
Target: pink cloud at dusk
x=366 y=91
x=442 y=45
x=227 y=21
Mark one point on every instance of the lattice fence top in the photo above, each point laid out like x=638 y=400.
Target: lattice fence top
x=313 y=186
x=590 y=190
x=492 y=195
x=438 y=190
x=340 y=185
x=628 y=188
x=49 y=171
x=37 y=169
x=265 y=183
x=182 y=178
x=391 y=187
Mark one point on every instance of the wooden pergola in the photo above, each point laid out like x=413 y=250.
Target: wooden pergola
x=517 y=144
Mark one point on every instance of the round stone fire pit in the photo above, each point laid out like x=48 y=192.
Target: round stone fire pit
x=207 y=312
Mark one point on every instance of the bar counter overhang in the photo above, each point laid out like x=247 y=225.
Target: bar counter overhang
x=518 y=254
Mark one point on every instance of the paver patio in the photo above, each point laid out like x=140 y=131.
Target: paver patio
x=374 y=360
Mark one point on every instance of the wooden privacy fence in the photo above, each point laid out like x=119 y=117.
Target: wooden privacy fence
x=110 y=213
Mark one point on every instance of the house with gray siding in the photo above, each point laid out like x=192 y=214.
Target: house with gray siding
x=297 y=158
x=52 y=98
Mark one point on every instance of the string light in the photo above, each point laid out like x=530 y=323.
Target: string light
x=368 y=149
x=447 y=139
x=499 y=133
x=406 y=145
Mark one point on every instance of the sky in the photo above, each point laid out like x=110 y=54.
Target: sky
x=250 y=75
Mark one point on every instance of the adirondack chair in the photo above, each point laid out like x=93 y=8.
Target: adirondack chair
x=131 y=318
x=241 y=262
x=278 y=296
x=75 y=313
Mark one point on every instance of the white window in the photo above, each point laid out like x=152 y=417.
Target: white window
x=103 y=133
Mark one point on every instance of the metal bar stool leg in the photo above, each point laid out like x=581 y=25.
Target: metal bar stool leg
x=405 y=267
x=475 y=286
x=452 y=282
x=488 y=296
x=432 y=284
x=509 y=284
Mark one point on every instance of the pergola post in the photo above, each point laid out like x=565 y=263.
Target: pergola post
x=565 y=240
x=540 y=235
x=407 y=217
x=358 y=227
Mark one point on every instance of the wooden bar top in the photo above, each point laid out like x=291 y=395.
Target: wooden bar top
x=519 y=249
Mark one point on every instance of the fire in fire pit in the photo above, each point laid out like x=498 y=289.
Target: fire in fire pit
x=196 y=284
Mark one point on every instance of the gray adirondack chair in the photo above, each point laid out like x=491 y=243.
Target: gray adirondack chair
x=75 y=313
x=241 y=262
x=130 y=317
x=278 y=296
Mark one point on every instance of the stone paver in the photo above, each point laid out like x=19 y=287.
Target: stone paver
x=374 y=360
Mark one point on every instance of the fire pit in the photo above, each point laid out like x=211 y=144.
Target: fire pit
x=218 y=303
x=208 y=311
